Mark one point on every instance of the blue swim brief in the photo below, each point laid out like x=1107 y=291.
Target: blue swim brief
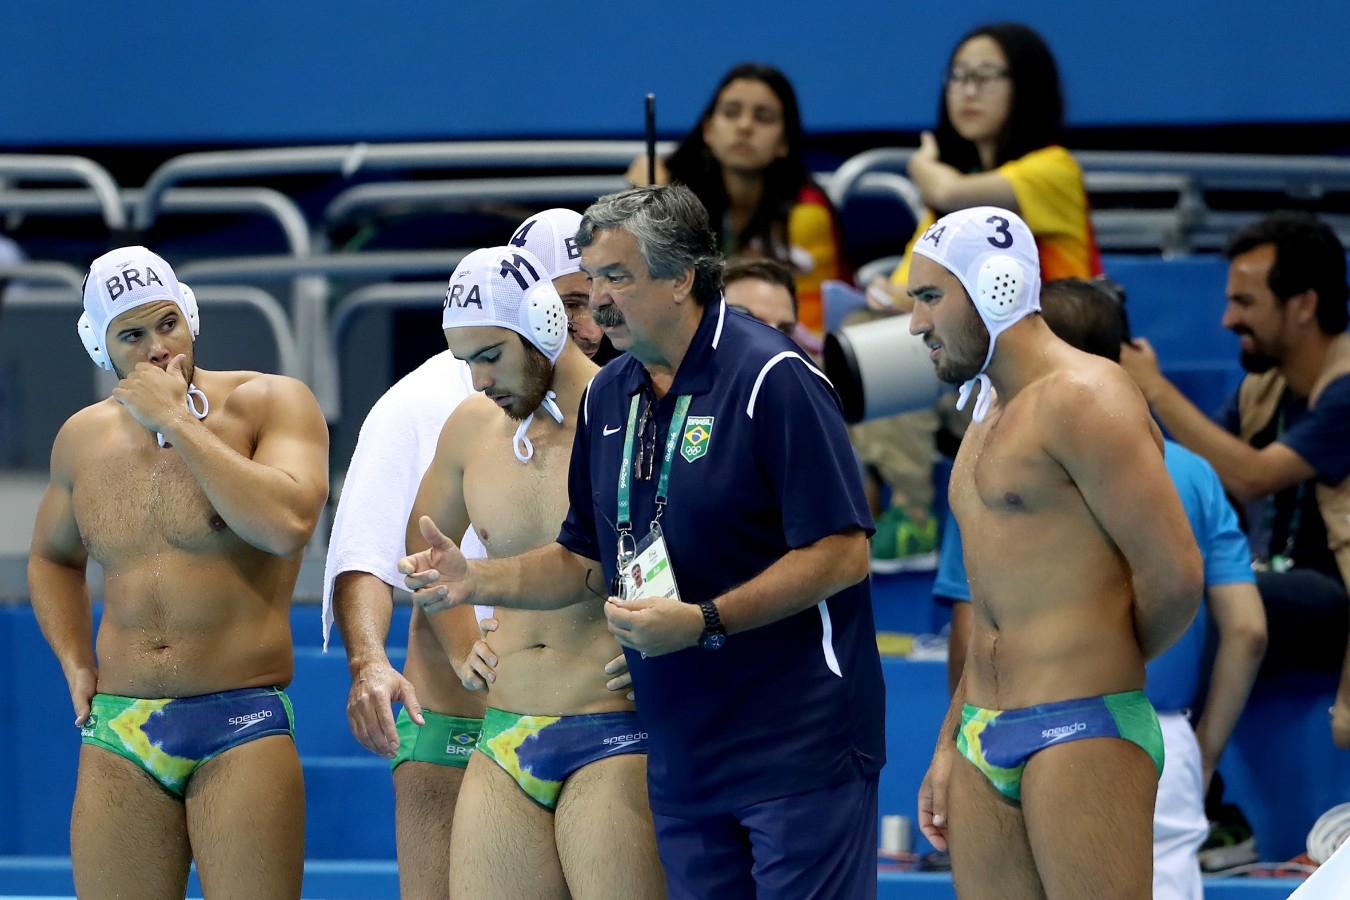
x=540 y=752
x=999 y=742
x=170 y=738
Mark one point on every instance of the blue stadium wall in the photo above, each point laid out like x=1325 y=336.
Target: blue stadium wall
x=156 y=72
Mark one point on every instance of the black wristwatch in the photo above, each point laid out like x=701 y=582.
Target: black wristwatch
x=714 y=634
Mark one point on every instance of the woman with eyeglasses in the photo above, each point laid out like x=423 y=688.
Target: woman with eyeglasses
x=744 y=160
x=999 y=118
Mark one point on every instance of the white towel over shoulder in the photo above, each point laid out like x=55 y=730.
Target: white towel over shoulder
x=396 y=444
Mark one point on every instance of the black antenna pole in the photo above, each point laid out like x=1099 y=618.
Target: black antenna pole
x=651 y=139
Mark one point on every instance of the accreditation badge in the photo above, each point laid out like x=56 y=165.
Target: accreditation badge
x=649 y=573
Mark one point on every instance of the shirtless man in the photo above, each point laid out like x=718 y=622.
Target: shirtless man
x=197 y=492
x=1082 y=566
x=560 y=772
x=429 y=743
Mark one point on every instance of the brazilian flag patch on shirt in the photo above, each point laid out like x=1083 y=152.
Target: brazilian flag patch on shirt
x=697 y=434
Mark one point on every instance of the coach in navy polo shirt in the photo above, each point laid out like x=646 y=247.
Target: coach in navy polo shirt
x=715 y=451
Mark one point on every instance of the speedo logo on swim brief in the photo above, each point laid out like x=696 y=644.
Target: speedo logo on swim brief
x=249 y=720
x=619 y=741
x=1063 y=731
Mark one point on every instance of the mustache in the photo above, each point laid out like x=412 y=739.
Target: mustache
x=607 y=316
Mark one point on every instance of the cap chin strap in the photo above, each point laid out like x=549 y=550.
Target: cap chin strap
x=193 y=394
x=982 y=386
x=521 y=444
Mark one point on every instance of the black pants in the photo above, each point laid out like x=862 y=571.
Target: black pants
x=1307 y=618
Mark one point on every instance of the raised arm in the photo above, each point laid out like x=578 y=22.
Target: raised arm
x=1247 y=473
x=273 y=499
x=56 y=579
x=1109 y=445
x=945 y=188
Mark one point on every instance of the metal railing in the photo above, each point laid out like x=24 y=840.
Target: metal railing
x=347 y=160
x=396 y=295
x=432 y=196
x=68 y=297
x=1183 y=224
x=69 y=168
x=192 y=201
x=1188 y=225
x=310 y=314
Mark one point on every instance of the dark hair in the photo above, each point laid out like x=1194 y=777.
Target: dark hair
x=693 y=165
x=1308 y=256
x=770 y=270
x=1089 y=315
x=671 y=229
x=1036 y=115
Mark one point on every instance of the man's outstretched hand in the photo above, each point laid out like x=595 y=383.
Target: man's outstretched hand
x=439 y=575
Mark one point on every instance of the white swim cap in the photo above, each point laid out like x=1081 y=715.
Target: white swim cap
x=993 y=254
x=552 y=236
x=121 y=280
x=507 y=287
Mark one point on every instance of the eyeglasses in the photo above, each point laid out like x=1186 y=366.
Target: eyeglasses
x=646 y=454
x=979 y=79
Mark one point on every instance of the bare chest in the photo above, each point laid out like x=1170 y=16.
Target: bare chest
x=132 y=498
x=517 y=506
x=1002 y=467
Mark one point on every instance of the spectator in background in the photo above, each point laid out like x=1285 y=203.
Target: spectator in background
x=745 y=161
x=763 y=289
x=1088 y=317
x=1281 y=444
x=999 y=117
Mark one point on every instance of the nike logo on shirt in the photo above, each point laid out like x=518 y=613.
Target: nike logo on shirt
x=607 y=431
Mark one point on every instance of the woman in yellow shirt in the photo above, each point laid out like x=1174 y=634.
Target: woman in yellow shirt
x=999 y=116
x=1001 y=112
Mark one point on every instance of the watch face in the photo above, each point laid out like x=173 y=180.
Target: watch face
x=713 y=641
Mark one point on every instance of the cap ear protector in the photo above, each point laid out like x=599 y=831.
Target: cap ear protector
x=545 y=316
x=94 y=343
x=547 y=320
x=999 y=288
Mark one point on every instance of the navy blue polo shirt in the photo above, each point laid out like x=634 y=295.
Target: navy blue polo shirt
x=1290 y=522
x=793 y=706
